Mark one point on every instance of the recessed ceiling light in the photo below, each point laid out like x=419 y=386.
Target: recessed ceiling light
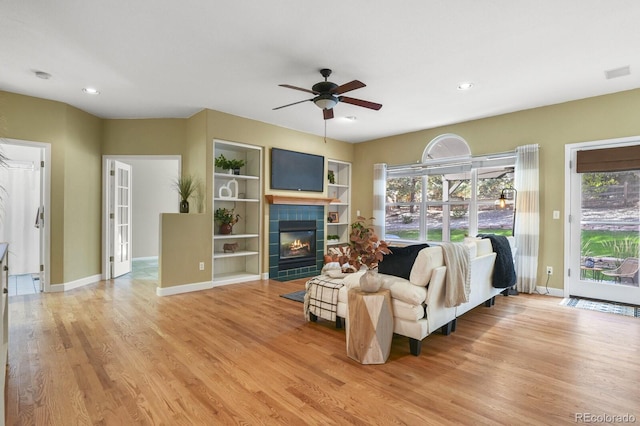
x=351 y=117
x=91 y=91
x=43 y=75
x=465 y=86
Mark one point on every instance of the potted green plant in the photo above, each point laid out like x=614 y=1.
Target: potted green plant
x=185 y=185
x=226 y=218
x=229 y=164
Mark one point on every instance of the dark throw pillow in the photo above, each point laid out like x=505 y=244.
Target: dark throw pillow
x=400 y=261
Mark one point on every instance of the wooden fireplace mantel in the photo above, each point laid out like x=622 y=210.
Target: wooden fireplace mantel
x=305 y=201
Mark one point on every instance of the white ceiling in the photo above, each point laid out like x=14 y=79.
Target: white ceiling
x=167 y=58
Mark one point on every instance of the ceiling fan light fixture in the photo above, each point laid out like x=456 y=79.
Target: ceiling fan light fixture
x=325 y=101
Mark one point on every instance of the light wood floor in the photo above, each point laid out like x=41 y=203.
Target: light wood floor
x=115 y=353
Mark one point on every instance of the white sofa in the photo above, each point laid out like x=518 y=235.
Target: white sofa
x=419 y=302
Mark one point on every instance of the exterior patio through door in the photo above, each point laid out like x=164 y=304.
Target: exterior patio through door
x=603 y=233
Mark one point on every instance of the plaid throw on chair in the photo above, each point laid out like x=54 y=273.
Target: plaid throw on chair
x=321 y=298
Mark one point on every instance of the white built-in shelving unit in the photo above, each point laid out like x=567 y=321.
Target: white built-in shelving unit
x=243 y=194
x=340 y=191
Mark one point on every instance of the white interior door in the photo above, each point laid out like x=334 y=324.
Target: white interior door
x=604 y=232
x=121 y=218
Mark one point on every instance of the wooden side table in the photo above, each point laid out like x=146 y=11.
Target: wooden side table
x=369 y=326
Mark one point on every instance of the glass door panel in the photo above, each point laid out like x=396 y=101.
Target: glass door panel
x=609 y=232
x=121 y=248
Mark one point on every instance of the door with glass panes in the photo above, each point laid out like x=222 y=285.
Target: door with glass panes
x=604 y=221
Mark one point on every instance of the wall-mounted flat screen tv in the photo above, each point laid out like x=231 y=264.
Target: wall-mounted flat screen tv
x=296 y=171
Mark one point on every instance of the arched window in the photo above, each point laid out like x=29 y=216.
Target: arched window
x=446 y=147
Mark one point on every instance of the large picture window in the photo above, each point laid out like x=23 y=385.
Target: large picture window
x=449 y=195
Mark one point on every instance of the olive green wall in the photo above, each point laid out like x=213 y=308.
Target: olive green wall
x=194 y=160
x=83 y=196
x=39 y=120
x=185 y=242
x=153 y=136
x=603 y=117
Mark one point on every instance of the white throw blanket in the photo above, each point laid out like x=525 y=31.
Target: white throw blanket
x=458 y=278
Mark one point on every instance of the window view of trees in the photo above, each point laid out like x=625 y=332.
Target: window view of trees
x=610 y=226
x=437 y=207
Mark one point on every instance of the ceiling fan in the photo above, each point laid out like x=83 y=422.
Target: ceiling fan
x=327 y=95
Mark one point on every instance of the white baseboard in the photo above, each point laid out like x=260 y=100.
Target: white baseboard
x=74 y=284
x=185 y=288
x=265 y=275
x=554 y=292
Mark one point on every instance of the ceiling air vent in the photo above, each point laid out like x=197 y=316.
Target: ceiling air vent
x=618 y=72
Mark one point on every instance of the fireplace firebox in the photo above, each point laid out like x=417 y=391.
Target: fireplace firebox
x=297 y=244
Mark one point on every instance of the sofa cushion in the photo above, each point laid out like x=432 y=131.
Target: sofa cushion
x=402 y=289
x=400 y=261
x=407 y=311
x=428 y=258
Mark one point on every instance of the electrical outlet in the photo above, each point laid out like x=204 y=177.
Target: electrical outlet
x=549 y=270
x=202 y=266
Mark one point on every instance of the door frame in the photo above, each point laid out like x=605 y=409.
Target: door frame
x=106 y=199
x=45 y=197
x=572 y=242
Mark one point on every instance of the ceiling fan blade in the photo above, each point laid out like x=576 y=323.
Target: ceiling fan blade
x=295 y=103
x=347 y=87
x=327 y=113
x=288 y=86
x=360 y=102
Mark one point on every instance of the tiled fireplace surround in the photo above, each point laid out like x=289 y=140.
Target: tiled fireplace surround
x=278 y=212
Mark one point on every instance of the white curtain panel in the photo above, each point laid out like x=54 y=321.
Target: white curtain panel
x=527 y=229
x=379 y=196
x=20 y=203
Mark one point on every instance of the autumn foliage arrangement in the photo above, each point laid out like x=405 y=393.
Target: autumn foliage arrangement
x=366 y=248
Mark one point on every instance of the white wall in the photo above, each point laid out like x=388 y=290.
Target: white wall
x=152 y=193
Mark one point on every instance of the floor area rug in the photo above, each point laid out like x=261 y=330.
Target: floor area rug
x=298 y=296
x=596 y=305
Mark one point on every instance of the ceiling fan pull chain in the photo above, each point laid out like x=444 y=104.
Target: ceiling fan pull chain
x=325 y=131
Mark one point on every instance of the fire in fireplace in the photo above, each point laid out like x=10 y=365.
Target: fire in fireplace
x=297 y=244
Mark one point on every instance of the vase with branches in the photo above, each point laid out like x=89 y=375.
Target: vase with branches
x=367 y=250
